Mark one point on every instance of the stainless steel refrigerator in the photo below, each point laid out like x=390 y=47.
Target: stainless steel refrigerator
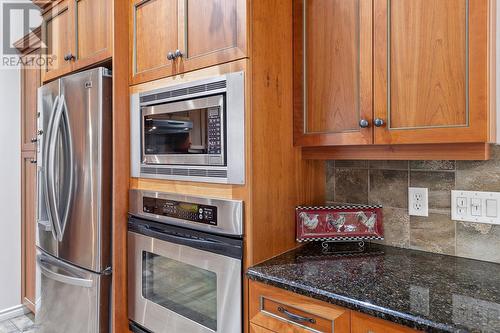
x=74 y=204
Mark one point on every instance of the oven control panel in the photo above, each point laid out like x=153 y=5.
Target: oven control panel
x=181 y=210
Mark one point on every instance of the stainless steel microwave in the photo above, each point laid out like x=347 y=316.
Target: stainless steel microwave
x=193 y=131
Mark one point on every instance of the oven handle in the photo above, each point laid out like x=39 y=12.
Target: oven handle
x=197 y=243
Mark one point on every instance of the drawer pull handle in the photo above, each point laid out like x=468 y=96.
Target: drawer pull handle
x=296 y=318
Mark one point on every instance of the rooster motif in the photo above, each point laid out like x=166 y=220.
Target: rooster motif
x=338 y=223
x=311 y=222
x=367 y=222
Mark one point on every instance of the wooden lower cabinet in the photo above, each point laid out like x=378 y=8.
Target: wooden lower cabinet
x=28 y=209
x=276 y=310
x=361 y=323
x=257 y=329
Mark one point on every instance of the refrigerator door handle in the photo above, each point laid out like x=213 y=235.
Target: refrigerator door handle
x=46 y=175
x=71 y=171
x=61 y=117
x=66 y=279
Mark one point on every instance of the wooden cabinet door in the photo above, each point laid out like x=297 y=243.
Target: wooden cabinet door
x=154 y=33
x=430 y=71
x=215 y=32
x=361 y=323
x=332 y=72
x=28 y=205
x=257 y=329
x=93 y=31
x=30 y=81
x=58 y=39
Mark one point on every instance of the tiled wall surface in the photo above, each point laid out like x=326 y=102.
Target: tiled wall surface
x=387 y=182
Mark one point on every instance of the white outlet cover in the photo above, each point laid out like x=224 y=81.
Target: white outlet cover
x=418 y=201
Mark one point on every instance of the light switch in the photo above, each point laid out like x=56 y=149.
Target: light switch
x=461 y=202
x=475 y=207
x=491 y=208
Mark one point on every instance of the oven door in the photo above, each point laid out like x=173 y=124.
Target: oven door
x=188 y=132
x=177 y=285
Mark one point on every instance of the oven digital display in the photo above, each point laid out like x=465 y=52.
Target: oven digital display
x=181 y=210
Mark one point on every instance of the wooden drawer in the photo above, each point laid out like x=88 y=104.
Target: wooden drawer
x=282 y=311
x=362 y=323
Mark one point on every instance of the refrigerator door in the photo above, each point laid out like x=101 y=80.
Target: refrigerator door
x=70 y=299
x=77 y=171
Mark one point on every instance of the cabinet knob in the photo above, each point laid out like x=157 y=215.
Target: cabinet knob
x=69 y=57
x=39 y=132
x=34 y=140
x=32 y=161
x=379 y=122
x=363 y=123
x=178 y=54
x=170 y=56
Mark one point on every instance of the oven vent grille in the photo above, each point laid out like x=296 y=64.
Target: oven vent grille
x=184 y=91
x=186 y=172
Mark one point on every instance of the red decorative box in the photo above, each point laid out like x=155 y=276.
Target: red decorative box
x=339 y=223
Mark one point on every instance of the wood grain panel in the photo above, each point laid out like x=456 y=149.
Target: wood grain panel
x=28 y=226
x=328 y=318
x=30 y=81
x=93 y=29
x=121 y=165
x=361 y=323
x=58 y=36
x=257 y=329
x=155 y=29
x=449 y=151
x=333 y=71
x=211 y=25
x=427 y=82
x=428 y=63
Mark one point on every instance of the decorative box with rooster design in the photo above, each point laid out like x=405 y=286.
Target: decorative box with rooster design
x=339 y=223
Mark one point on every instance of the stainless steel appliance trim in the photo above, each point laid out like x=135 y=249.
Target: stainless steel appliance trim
x=192 y=104
x=147 y=313
x=235 y=127
x=75 y=281
x=229 y=214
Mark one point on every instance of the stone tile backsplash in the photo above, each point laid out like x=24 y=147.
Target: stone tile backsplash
x=387 y=182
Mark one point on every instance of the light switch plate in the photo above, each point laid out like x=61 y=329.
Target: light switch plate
x=474 y=206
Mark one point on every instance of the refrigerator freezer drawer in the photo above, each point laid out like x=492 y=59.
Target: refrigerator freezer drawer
x=70 y=299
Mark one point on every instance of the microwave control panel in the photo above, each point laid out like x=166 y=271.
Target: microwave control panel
x=214 y=131
x=181 y=210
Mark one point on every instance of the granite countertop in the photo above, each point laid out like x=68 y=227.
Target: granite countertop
x=425 y=291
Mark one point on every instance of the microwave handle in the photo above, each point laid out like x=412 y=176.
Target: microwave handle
x=197 y=243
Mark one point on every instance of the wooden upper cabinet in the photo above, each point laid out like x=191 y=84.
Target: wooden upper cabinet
x=155 y=29
x=57 y=35
x=333 y=72
x=431 y=71
x=204 y=33
x=76 y=34
x=93 y=31
x=30 y=81
x=215 y=32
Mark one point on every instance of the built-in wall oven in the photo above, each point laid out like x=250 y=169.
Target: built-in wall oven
x=190 y=131
x=184 y=279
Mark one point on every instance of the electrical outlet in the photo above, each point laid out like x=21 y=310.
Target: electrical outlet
x=418 y=201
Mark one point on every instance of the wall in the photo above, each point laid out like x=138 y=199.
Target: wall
x=387 y=182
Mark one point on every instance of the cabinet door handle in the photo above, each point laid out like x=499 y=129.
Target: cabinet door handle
x=363 y=123
x=33 y=161
x=34 y=140
x=296 y=318
x=379 y=122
